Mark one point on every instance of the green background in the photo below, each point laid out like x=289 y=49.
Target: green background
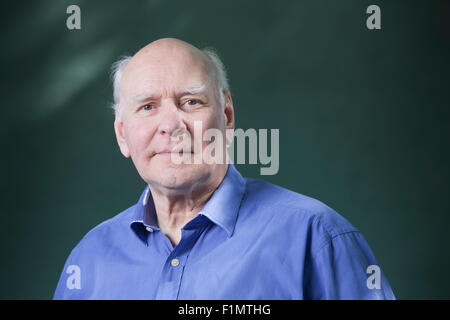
x=363 y=118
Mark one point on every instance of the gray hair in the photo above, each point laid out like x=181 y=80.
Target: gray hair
x=218 y=74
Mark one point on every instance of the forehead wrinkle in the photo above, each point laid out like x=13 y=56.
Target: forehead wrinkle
x=147 y=96
x=197 y=61
x=194 y=90
x=143 y=97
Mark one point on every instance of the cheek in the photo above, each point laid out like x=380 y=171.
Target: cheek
x=199 y=125
x=215 y=121
x=138 y=138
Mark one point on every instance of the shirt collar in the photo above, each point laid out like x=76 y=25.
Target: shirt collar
x=222 y=208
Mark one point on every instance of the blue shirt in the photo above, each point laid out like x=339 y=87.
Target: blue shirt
x=251 y=240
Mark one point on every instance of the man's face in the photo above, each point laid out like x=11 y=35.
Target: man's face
x=163 y=93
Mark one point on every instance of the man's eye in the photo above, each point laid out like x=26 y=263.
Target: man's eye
x=191 y=102
x=147 y=107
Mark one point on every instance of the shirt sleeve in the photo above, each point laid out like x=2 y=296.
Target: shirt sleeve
x=71 y=284
x=76 y=280
x=344 y=268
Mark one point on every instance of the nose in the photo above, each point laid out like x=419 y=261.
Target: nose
x=171 y=120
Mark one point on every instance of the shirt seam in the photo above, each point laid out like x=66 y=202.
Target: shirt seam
x=330 y=240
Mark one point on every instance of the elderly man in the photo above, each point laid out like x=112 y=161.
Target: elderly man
x=200 y=230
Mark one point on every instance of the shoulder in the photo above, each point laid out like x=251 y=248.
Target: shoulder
x=295 y=208
x=88 y=256
x=106 y=233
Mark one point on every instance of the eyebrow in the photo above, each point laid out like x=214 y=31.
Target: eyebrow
x=147 y=96
x=194 y=90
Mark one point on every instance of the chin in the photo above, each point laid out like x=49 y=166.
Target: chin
x=174 y=176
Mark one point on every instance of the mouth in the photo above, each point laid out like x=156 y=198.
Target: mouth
x=165 y=153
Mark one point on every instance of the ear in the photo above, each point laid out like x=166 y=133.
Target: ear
x=228 y=111
x=120 y=136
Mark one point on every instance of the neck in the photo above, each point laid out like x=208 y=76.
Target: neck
x=176 y=207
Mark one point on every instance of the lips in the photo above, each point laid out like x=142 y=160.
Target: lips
x=169 y=153
x=175 y=149
x=180 y=152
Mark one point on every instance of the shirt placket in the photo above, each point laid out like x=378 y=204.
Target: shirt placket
x=172 y=273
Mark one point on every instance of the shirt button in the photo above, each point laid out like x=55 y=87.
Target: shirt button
x=175 y=262
x=149 y=229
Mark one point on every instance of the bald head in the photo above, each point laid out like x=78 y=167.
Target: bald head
x=167 y=49
x=167 y=59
